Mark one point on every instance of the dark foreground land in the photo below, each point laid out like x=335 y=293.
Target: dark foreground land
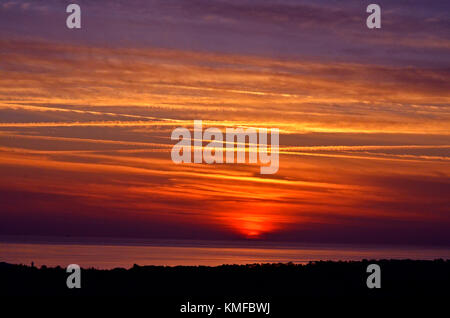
x=278 y=283
x=399 y=278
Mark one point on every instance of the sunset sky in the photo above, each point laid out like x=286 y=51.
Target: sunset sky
x=86 y=117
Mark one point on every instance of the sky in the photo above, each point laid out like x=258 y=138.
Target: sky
x=86 y=118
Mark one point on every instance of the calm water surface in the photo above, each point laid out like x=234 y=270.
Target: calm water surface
x=117 y=254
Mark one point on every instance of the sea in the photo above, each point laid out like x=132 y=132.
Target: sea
x=124 y=253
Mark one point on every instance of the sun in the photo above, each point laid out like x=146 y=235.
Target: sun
x=253 y=226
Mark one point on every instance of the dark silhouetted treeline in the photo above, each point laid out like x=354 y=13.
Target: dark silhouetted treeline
x=323 y=279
